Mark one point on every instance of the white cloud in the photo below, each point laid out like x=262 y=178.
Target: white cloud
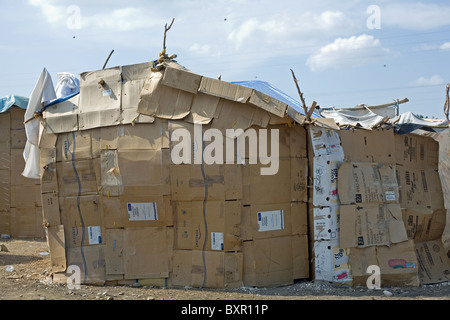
x=434 y=80
x=445 y=46
x=415 y=16
x=346 y=53
x=289 y=27
x=123 y=19
x=51 y=12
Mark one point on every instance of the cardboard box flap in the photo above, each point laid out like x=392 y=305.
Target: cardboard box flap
x=133 y=78
x=232 y=116
x=100 y=90
x=268 y=103
x=434 y=264
x=325 y=141
x=362 y=182
x=181 y=79
x=397 y=230
x=158 y=100
x=424 y=224
x=56 y=243
x=203 y=108
x=225 y=90
x=371 y=225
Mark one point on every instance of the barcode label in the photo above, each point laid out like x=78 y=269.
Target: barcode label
x=143 y=211
x=94 y=235
x=217 y=241
x=390 y=195
x=270 y=220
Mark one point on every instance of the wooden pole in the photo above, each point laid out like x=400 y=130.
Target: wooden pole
x=104 y=66
x=446 y=105
x=305 y=108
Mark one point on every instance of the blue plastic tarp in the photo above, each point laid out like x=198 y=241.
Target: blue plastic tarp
x=12 y=100
x=267 y=88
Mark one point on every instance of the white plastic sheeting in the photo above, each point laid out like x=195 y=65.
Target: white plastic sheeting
x=43 y=92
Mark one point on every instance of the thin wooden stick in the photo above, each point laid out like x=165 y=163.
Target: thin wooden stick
x=446 y=105
x=165 y=32
x=104 y=66
x=305 y=108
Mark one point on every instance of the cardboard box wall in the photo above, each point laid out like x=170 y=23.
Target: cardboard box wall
x=420 y=195
x=118 y=169
x=20 y=200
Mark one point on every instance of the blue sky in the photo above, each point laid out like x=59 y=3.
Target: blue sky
x=344 y=53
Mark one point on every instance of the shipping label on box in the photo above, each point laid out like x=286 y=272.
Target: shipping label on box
x=325 y=142
x=326 y=222
x=142 y=211
x=270 y=220
x=325 y=177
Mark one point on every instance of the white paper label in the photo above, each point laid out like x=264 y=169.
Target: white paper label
x=270 y=220
x=143 y=211
x=107 y=92
x=390 y=195
x=94 y=235
x=216 y=240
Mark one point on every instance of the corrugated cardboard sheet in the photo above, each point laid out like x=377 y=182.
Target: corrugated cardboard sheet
x=20 y=200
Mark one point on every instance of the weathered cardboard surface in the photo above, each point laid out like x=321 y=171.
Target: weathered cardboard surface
x=211 y=226
x=27 y=222
x=398 y=264
x=216 y=270
x=331 y=262
x=91 y=261
x=221 y=182
x=424 y=225
x=225 y=90
x=300 y=256
x=362 y=183
x=181 y=79
x=235 y=115
x=83 y=220
x=420 y=188
x=325 y=141
x=288 y=184
x=268 y=262
x=416 y=151
x=158 y=100
x=75 y=178
x=50 y=209
x=364 y=145
x=146 y=253
x=266 y=221
x=326 y=223
x=433 y=262
x=324 y=174
x=371 y=225
x=57 y=247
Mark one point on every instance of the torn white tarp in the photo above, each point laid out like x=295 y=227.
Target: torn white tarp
x=67 y=85
x=357 y=118
x=408 y=122
x=42 y=92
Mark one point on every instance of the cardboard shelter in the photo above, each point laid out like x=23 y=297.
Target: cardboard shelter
x=118 y=207
x=20 y=199
x=377 y=200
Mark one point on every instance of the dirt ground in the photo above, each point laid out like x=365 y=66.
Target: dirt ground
x=25 y=275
